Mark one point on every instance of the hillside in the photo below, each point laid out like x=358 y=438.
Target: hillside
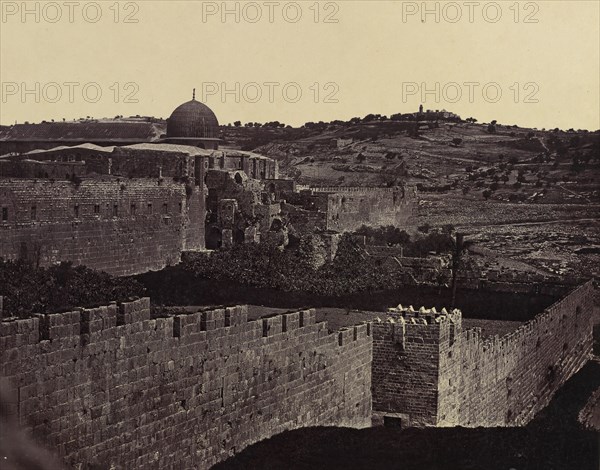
x=529 y=198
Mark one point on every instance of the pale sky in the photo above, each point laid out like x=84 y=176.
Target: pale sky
x=347 y=58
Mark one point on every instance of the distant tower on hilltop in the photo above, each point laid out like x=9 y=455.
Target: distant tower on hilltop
x=420 y=109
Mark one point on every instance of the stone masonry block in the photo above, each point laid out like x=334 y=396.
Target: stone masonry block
x=290 y=321
x=307 y=317
x=272 y=326
x=345 y=336
x=237 y=315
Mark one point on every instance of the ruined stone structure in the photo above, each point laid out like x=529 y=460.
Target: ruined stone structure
x=345 y=209
x=427 y=370
x=239 y=209
x=271 y=209
x=114 y=387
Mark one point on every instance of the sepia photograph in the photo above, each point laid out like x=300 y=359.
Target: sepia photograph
x=300 y=235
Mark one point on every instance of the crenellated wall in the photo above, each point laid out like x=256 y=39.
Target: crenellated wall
x=113 y=386
x=507 y=380
x=432 y=372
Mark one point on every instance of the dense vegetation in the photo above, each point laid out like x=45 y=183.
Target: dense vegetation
x=268 y=266
x=429 y=240
x=27 y=289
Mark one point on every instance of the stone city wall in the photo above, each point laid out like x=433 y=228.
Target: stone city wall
x=431 y=372
x=505 y=381
x=349 y=210
x=113 y=387
x=121 y=226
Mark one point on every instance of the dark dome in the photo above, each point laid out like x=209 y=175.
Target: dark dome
x=193 y=120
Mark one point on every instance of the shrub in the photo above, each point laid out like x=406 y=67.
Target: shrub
x=28 y=289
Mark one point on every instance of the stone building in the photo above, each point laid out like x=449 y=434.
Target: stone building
x=23 y=138
x=192 y=123
x=343 y=209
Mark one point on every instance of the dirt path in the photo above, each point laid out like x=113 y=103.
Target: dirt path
x=526 y=224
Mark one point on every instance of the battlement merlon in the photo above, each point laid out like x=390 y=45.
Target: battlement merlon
x=88 y=325
x=424 y=315
x=405 y=324
x=357 y=189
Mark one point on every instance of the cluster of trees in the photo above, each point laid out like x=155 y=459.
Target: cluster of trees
x=352 y=271
x=27 y=289
x=386 y=236
x=557 y=146
x=321 y=126
x=370 y=118
x=292 y=270
x=374 y=117
x=318 y=126
x=440 y=240
x=271 y=124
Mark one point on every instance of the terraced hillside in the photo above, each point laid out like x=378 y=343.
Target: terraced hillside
x=529 y=198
